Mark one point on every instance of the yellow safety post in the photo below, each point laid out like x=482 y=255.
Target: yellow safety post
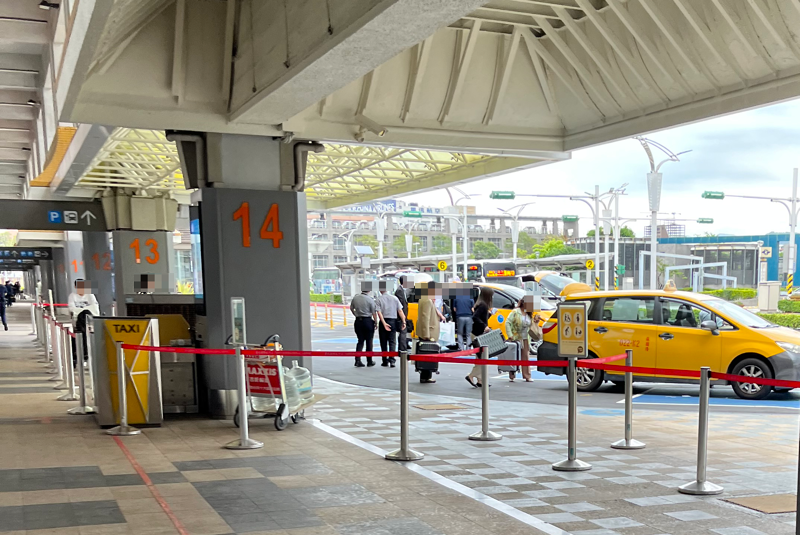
x=326 y=311
x=790 y=284
x=315 y=311
x=331 y=319
x=616 y=284
x=344 y=315
x=597 y=284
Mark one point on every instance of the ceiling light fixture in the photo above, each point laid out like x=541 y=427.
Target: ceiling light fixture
x=44 y=4
x=372 y=126
x=32 y=102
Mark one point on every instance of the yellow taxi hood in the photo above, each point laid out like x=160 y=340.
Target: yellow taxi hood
x=780 y=334
x=575 y=288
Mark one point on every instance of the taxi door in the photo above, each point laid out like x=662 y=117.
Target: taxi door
x=625 y=323
x=682 y=344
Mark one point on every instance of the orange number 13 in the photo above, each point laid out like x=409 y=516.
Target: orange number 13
x=152 y=258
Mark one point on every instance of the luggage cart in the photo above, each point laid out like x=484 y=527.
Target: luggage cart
x=266 y=392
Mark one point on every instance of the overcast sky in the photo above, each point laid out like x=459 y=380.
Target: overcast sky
x=748 y=153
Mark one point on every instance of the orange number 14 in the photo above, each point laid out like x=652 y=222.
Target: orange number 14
x=272 y=220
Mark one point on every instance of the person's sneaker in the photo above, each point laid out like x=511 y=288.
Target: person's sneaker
x=370 y=363
x=6 y=327
x=391 y=364
x=384 y=364
x=359 y=364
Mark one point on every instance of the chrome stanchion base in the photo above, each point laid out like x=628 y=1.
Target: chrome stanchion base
x=572 y=466
x=631 y=444
x=248 y=444
x=81 y=410
x=407 y=455
x=486 y=437
x=696 y=488
x=123 y=431
x=69 y=397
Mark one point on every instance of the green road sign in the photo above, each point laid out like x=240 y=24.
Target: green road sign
x=620 y=270
x=705 y=220
x=504 y=195
x=412 y=214
x=569 y=218
x=713 y=195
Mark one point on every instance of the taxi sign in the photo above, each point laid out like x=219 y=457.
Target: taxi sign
x=590 y=264
x=442 y=265
x=572 y=326
x=765 y=252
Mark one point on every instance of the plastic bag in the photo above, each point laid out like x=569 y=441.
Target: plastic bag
x=447 y=333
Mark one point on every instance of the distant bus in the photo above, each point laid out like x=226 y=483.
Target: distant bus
x=496 y=271
x=327 y=280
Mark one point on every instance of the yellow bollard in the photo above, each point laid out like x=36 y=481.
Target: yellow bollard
x=326 y=311
x=315 y=311
x=344 y=315
x=331 y=319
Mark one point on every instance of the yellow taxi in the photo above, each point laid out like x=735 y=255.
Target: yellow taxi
x=558 y=285
x=504 y=300
x=680 y=331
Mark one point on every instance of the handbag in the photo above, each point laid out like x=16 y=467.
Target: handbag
x=447 y=333
x=409 y=325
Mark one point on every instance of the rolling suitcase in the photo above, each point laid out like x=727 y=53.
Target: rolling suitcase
x=513 y=352
x=426 y=369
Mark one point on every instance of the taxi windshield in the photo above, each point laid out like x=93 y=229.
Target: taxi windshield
x=738 y=314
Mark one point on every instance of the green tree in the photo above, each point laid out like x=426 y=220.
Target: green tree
x=7 y=238
x=553 y=247
x=442 y=244
x=484 y=249
x=366 y=239
x=625 y=232
x=399 y=246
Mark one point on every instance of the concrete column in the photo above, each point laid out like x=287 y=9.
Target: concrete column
x=254 y=243
x=138 y=253
x=73 y=246
x=98 y=266
x=60 y=277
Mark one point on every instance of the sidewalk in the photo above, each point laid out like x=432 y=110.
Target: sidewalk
x=62 y=475
x=625 y=492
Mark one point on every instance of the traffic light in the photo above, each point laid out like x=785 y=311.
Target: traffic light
x=620 y=270
x=713 y=195
x=503 y=195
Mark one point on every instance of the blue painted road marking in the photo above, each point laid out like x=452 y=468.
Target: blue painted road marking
x=54 y=216
x=650 y=399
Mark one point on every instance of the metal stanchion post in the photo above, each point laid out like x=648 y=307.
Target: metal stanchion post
x=123 y=429
x=244 y=442
x=69 y=369
x=405 y=453
x=83 y=408
x=628 y=443
x=701 y=487
x=58 y=357
x=33 y=320
x=48 y=348
x=572 y=463
x=484 y=434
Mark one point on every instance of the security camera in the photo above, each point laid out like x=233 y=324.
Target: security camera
x=371 y=125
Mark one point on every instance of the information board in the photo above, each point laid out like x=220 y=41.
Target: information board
x=572 y=327
x=52 y=215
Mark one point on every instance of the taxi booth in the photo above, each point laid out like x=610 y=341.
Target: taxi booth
x=142 y=373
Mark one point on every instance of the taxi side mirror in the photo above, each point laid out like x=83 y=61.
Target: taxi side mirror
x=710 y=325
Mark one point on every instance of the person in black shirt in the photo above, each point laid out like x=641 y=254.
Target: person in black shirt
x=480 y=325
x=400 y=293
x=3 y=306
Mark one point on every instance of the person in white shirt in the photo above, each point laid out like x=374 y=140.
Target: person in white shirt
x=82 y=299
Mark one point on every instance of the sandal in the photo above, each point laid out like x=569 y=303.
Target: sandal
x=470 y=381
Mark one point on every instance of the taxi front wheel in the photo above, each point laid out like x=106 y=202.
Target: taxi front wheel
x=755 y=368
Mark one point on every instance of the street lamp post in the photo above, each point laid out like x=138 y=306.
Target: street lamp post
x=454 y=236
x=654 y=179
x=515 y=225
x=348 y=245
x=465 y=238
x=791 y=206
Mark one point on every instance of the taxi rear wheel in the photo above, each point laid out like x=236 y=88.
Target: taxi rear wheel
x=755 y=368
x=589 y=380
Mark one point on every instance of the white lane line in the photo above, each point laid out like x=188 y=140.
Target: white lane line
x=495 y=504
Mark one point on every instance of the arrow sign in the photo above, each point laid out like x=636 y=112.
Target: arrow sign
x=45 y=254
x=14 y=253
x=88 y=216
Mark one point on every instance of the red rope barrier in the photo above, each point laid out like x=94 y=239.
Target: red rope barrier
x=189 y=350
x=755 y=380
x=273 y=352
x=488 y=362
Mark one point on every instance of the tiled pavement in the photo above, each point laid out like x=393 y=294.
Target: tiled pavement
x=61 y=475
x=626 y=492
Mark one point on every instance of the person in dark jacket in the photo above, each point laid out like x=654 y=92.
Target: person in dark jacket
x=400 y=294
x=463 y=308
x=3 y=306
x=480 y=325
x=9 y=293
